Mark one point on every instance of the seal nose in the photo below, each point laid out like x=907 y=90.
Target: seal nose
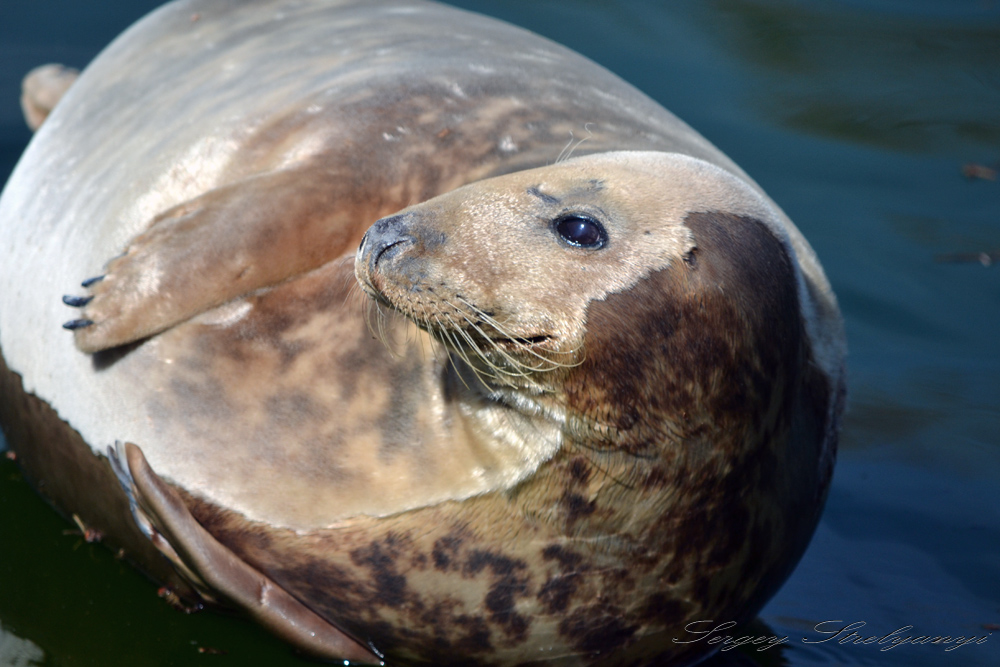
x=386 y=239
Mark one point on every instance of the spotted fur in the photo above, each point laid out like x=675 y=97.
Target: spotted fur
x=522 y=452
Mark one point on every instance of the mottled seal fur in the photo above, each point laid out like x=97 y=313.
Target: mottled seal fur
x=584 y=402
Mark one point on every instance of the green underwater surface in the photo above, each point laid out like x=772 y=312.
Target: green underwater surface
x=857 y=117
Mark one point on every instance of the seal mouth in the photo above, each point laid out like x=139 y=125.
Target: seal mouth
x=503 y=360
x=491 y=347
x=475 y=337
x=519 y=341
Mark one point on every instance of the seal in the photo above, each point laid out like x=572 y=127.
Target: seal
x=544 y=408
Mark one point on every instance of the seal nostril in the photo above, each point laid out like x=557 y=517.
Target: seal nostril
x=392 y=249
x=386 y=239
x=387 y=248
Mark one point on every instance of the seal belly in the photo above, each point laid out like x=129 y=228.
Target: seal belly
x=294 y=389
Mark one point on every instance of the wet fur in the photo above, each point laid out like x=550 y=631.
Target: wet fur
x=670 y=423
x=628 y=511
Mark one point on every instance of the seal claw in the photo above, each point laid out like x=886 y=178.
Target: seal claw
x=72 y=325
x=77 y=301
x=90 y=281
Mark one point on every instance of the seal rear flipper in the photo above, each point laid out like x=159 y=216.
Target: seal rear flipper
x=223 y=244
x=219 y=572
x=41 y=90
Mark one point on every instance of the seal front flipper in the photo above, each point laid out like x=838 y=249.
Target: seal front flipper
x=218 y=246
x=217 y=572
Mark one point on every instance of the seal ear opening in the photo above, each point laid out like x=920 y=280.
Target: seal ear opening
x=213 y=566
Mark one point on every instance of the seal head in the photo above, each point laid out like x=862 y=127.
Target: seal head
x=504 y=270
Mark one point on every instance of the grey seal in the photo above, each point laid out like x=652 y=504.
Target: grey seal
x=569 y=405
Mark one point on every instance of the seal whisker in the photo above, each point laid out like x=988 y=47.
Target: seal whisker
x=428 y=326
x=383 y=335
x=559 y=158
x=487 y=319
x=374 y=320
x=454 y=330
x=369 y=305
x=437 y=350
x=454 y=348
x=368 y=319
x=567 y=151
x=356 y=298
x=379 y=325
x=521 y=369
x=378 y=329
x=528 y=349
x=472 y=343
x=495 y=371
x=350 y=282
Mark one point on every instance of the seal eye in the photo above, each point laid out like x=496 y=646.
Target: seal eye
x=581 y=231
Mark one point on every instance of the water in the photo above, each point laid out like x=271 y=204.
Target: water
x=857 y=117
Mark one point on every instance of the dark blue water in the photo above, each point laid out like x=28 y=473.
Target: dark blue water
x=857 y=117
